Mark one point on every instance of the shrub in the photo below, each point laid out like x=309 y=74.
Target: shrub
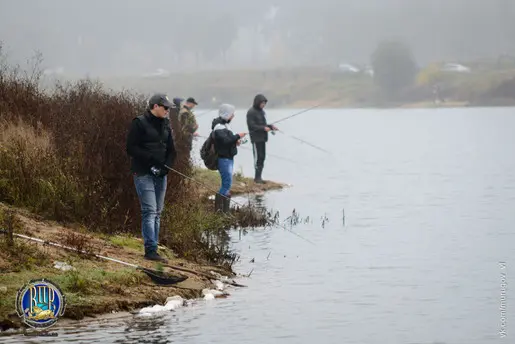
x=31 y=174
x=76 y=168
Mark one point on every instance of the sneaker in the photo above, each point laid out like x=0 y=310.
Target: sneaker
x=155 y=256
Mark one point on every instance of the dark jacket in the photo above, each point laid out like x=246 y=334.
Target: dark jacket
x=225 y=140
x=256 y=121
x=150 y=143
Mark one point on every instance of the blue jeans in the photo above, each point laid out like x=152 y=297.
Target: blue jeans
x=225 y=167
x=151 y=193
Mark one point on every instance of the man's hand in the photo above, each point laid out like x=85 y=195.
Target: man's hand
x=238 y=142
x=274 y=127
x=267 y=129
x=196 y=134
x=242 y=135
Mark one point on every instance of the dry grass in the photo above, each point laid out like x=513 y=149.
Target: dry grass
x=33 y=176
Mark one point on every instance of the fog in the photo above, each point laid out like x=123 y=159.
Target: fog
x=135 y=37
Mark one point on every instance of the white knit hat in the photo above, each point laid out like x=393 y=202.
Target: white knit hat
x=226 y=111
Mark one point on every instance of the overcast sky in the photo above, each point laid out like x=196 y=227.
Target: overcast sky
x=103 y=37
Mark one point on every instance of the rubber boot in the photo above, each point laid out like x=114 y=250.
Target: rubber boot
x=257 y=178
x=226 y=204
x=219 y=205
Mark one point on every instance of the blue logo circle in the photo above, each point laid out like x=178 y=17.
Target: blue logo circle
x=40 y=303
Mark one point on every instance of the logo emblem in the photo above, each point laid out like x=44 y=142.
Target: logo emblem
x=40 y=303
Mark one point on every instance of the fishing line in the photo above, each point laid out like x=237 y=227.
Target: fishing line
x=294 y=137
x=304 y=141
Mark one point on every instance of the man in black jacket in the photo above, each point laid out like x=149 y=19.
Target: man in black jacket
x=151 y=148
x=258 y=131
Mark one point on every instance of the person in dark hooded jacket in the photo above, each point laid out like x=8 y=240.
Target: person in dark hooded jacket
x=226 y=143
x=258 y=131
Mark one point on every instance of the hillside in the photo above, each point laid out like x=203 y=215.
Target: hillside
x=305 y=87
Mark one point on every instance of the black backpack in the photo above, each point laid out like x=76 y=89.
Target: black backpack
x=208 y=153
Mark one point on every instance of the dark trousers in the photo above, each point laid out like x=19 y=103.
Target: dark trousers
x=259 y=150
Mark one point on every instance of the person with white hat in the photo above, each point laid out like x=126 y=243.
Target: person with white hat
x=226 y=143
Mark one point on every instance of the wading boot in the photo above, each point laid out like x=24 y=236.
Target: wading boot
x=226 y=204
x=257 y=178
x=219 y=205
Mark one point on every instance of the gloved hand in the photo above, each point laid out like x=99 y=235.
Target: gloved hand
x=155 y=171
x=158 y=170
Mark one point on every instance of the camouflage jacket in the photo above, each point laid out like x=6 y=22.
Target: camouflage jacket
x=187 y=121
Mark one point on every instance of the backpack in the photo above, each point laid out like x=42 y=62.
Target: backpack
x=208 y=153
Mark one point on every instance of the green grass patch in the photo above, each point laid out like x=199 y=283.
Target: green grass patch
x=77 y=285
x=208 y=177
x=126 y=241
x=212 y=178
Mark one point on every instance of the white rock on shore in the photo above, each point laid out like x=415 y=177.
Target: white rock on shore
x=172 y=303
x=175 y=302
x=219 y=285
x=210 y=294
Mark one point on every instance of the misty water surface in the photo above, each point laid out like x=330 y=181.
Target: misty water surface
x=429 y=199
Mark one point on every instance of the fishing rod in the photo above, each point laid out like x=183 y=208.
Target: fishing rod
x=298 y=113
x=288 y=117
x=156 y=276
x=231 y=200
x=294 y=137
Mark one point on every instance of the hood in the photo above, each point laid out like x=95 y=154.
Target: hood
x=226 y=110
x=216 y=121
x=258 y=100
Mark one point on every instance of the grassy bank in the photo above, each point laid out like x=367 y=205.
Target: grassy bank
x=241 y=185
x=94 y=286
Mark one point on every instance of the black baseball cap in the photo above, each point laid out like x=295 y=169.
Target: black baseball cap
x=160 y=99
x=191 y=100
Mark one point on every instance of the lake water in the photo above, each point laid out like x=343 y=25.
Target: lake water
x=429 y=204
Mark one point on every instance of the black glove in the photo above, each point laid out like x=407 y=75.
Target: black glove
x=158 y=168
x=158 y=171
